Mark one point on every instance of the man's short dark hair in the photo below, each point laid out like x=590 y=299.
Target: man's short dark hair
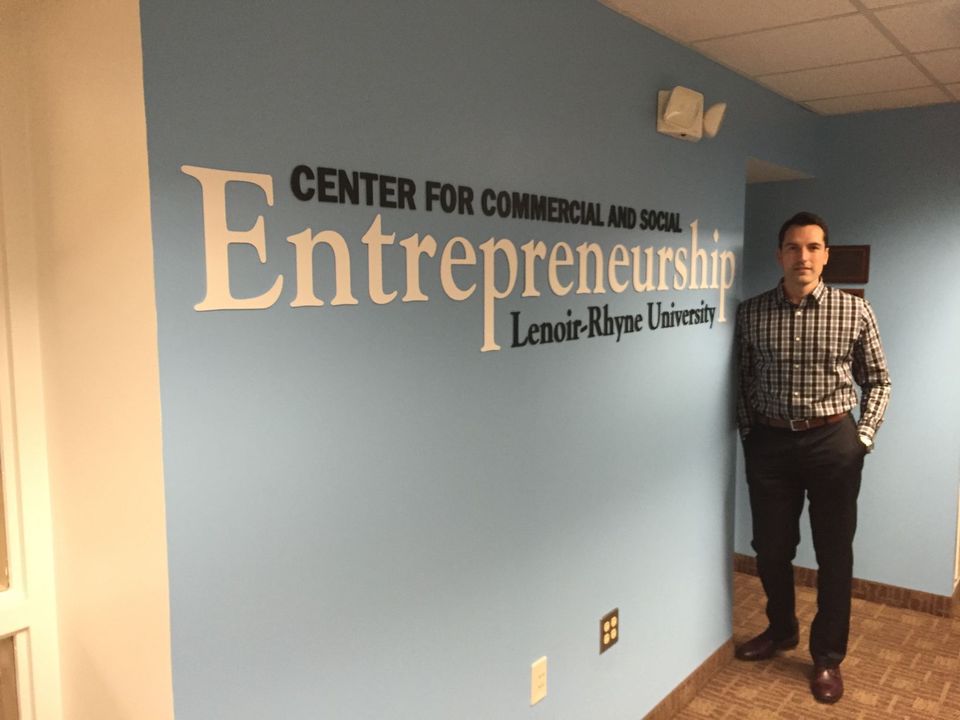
x=802 y=219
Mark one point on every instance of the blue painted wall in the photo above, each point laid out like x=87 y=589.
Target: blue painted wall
x=367 y=516
x=891 y=180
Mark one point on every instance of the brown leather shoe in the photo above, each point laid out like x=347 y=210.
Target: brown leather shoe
x=764 y=646
x=826 y=684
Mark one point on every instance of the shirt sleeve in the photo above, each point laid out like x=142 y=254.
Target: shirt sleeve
x=744 y=373
x=870 y=373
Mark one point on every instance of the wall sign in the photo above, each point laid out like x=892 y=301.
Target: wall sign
x=504 y=267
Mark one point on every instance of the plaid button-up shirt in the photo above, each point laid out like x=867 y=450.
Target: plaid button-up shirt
x=798 y=362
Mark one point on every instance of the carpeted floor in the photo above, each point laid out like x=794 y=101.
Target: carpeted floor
x=900 y=664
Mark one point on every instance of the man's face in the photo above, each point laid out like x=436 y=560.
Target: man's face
x=803 y=254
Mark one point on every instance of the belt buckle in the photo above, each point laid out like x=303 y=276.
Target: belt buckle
x=798 y=425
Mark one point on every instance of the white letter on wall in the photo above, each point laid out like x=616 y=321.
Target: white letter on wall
x=374 y=239
x=491 y=293
x=448 y=262
x=217 y=238
x=305 y=242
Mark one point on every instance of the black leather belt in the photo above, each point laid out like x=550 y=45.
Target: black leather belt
x=798 y=425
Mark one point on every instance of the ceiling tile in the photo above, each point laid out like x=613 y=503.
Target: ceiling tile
x=690 y=20
x=926 y=26
x=943 y=64
x=879 y=101
x=814 y=44
x=871 y=76
x=831 y=56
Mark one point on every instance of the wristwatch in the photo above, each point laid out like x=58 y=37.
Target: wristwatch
x=867 y=442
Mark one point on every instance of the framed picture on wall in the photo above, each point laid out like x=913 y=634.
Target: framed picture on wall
x=848 y=264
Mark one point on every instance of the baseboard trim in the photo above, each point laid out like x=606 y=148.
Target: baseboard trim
x=941 y=605
x=683 y=693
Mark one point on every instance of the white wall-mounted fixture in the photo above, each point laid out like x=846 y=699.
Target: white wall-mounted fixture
x=680 y=114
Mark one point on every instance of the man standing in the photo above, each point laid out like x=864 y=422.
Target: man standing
x=800 y=348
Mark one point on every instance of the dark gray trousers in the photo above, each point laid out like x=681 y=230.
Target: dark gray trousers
x=824 y=466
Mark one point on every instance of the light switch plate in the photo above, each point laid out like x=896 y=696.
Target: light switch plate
x=538 y=680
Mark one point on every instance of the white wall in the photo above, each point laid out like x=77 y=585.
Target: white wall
x=82 y=246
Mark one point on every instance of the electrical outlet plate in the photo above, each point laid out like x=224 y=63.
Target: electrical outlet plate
x=538 y=680
x=609 y=630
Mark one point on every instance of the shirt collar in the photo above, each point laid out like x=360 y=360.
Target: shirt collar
x=815 y=296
